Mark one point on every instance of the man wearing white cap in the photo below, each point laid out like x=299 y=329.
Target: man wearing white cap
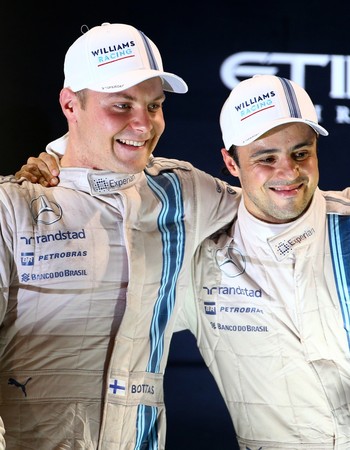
x=94 y=271
x=271 y=311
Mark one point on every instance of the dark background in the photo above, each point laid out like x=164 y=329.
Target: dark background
x=194 y=40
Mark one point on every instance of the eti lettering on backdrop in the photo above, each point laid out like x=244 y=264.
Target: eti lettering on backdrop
x=241 y=65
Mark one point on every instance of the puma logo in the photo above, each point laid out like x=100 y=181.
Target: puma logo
x=20 y=385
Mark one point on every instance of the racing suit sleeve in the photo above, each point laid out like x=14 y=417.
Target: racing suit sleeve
x=2 y=432
x=187 y=315
x=6 y=262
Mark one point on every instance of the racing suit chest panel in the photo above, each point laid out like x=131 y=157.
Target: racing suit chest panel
x=69 y=265
x=274 y=340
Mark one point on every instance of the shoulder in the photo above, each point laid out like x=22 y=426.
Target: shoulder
x=10 y=179
x=186 y=169
x=156 y=165
x=16 y=189
x=9 y=185
x=337 y=201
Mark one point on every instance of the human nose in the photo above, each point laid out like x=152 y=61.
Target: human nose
x=289 y=165
x=141 y=120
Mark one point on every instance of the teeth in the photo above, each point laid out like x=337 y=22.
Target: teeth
x=133 y=143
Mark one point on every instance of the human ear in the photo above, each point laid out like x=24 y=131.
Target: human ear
x=229 y=162
x=68 y=101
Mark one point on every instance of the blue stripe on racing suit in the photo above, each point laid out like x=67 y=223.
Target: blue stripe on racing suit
x=171 y=226
x=339 y=235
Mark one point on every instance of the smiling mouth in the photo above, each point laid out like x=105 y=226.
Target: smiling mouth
x=132 y=143
x=286 y=189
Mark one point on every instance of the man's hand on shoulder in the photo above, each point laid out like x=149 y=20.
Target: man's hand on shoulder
x=43 y=170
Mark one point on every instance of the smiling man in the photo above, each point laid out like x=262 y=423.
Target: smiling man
x=94 y=270
x=270 y=307
x=278 y=172
x=270 y=300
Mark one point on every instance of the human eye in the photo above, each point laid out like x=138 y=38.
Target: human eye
x=301 y=155
x=153 y=107
x=121 y=106
x=266 y=160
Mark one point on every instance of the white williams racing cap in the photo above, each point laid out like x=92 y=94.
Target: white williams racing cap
x=263 y=102
x=115 y=57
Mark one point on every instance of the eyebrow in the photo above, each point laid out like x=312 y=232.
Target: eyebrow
x=129 y=97
x=268 y=151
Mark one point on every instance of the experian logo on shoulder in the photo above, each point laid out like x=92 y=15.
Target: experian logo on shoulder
x=241 y=65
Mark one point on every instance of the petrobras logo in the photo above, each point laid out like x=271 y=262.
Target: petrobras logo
x=27 y=259
x=332 y=69
x=210 y=308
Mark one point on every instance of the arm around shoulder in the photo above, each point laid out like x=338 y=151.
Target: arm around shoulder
x=44 y=170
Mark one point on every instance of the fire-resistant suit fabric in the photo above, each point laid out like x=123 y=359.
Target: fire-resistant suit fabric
x=76 y=371
x=270 y=311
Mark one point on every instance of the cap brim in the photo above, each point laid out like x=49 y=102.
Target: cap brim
x=171 y=82
x=248 y=140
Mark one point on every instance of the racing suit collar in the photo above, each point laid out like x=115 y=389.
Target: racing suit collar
x=284 y=239
x=97 y=182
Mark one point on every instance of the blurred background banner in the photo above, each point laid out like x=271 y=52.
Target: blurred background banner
x=212 y=47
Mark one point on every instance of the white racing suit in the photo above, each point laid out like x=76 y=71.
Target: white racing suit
x=272 y=321
x=73 y=375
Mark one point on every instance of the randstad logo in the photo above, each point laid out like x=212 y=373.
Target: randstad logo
x=53 y=237
x=255 y=104
x=113 y=52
